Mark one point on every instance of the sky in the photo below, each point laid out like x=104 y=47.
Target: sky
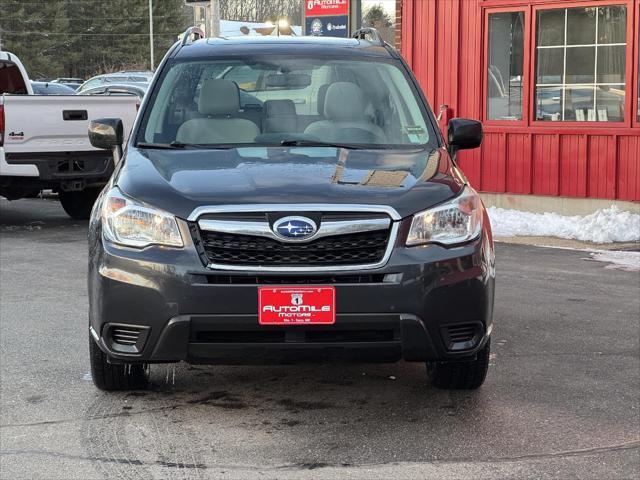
x=389 y=5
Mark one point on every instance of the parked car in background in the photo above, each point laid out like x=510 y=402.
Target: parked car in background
x=50 y=88
x=120 y=77
x=44 y=142
x=72 y=82
x=138 y=89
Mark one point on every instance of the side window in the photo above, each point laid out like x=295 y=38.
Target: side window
x=11 y=80
x=92 y=83
x=505 y=66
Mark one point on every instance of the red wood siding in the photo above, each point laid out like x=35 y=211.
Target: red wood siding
x=546 y=162
x=494 y=163
x=602 y=166
x=573 y=165
x=518 y=163
x=443 y=41
x=628 y=168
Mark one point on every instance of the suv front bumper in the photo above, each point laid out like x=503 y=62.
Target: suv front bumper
x=406 y=310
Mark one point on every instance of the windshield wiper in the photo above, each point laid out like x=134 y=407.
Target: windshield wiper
x=315 y=143
x=181 y=146
x=171 y=145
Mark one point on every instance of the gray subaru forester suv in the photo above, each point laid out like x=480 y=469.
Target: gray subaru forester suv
x=283 y=200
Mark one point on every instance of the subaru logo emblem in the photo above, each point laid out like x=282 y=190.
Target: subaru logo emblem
x=294 y=228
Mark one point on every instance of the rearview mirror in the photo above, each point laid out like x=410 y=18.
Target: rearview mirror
x=464 y=134
x=289 y=80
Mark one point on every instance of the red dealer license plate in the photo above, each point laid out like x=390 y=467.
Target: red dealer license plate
x=296 y=305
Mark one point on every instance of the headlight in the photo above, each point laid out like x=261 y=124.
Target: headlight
x=129 y=223
x=456 y=221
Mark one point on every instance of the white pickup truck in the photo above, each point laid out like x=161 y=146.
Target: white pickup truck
x=44 y=142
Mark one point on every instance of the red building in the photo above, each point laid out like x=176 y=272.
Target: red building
x=554 y=82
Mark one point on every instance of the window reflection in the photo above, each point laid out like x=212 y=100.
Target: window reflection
x=549 y=103
x=579 y=103
x=610 y=103
x=550 y=27
x=504 y=73
x=581 y=26
x=581 y=64
x=550 y=65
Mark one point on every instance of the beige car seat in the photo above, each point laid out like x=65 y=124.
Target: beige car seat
x=219 y=101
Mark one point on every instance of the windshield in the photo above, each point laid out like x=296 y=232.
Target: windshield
x=285 y=101
x=51 y=89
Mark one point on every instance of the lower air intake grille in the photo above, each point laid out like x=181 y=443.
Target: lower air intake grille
x=462 y=337
x=126 y=338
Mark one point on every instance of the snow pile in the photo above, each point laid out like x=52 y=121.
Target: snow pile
x=603 y=226
x=629 y=261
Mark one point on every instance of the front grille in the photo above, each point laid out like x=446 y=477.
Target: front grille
x=351 y=249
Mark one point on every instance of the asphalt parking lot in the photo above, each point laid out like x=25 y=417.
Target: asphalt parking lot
x=561 y=399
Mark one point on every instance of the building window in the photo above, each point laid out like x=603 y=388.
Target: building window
x=580 y=64
x=505 y=66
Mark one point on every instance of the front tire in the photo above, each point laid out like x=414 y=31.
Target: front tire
x=460 y=375
x=78 y=204
x=115 y=377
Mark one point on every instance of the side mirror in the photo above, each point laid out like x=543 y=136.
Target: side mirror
x=464 y=134
x=107 y=134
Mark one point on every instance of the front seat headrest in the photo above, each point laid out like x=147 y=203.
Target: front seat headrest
x=218 y=97
x=344 y=101
x=322 y=96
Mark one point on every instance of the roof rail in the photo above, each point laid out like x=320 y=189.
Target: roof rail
x=189 y=33
x=362 y=34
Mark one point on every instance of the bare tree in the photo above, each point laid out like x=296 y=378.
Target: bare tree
x=261 y=10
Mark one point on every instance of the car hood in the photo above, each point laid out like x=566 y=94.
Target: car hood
x=179 y=181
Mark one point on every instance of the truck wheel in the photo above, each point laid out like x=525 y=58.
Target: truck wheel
x=460 y=375
x=78 y=204
x=114 y=377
